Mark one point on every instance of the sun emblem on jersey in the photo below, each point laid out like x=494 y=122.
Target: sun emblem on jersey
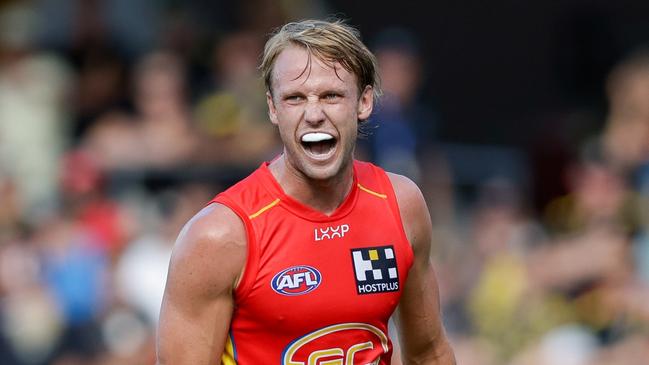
x=355 y=343
x=296 y=280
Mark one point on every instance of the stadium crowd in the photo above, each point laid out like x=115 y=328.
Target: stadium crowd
x=113 y=133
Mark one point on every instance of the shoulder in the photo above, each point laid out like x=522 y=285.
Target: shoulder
x=409 y=197
x=215 y=224
x=211 y=248
x=407 y=192
x=413 y=210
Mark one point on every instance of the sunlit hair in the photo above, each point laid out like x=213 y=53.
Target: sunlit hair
x=330 y=41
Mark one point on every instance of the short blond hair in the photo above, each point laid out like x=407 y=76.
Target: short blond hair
x=330 y=41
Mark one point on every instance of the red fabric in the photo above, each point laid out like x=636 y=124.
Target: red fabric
x=332 y=321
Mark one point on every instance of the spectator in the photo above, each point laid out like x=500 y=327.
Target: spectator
x=233 y=113
x=33 y=87
x=404 y=126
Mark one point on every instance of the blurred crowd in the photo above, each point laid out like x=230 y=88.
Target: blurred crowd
x=120 y=119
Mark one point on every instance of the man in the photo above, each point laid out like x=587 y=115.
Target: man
x=305 y=260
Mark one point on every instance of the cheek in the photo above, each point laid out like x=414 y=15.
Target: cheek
x=289 y=113
x=348 y=120
x=342 y=113
x=284 y=130
x=286 y=126
x=286 y=115
x=353 y=133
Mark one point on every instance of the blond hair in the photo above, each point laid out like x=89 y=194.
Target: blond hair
x=330 y=41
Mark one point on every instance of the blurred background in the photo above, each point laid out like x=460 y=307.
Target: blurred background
x=526 y=124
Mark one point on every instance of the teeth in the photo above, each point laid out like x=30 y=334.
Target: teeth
x=316 y=137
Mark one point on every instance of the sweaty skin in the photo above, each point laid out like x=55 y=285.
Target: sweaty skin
x=210 y=253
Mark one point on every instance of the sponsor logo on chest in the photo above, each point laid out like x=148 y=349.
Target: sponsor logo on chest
x=375 y=270
x=332 y=232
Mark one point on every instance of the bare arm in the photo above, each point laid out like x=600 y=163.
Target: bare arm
x=207 y=261
x=421 y=333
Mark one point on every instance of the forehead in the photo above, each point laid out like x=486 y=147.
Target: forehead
x=292 y=70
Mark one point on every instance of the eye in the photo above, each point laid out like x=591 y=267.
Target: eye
x=332 y=96
x=294 y=98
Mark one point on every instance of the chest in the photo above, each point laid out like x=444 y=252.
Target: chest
x=347 y=270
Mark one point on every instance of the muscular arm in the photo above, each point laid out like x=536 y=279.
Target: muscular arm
x=207 y=261
x=421 y=333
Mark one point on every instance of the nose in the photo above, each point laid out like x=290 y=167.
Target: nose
x=313 y=112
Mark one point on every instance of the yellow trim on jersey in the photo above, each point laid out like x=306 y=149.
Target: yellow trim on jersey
x=382 y=196
x=262 y=210
x=228 y=353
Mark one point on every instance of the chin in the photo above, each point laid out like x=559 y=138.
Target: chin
x=318 y=169
x=322 y=172
x=319 y=172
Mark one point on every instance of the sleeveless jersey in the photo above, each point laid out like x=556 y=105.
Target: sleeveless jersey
x=317 y=289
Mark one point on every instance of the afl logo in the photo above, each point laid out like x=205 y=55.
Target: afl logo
x=296 y=280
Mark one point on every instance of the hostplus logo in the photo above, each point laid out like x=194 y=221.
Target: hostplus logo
x=329 y=233
x=375 y=269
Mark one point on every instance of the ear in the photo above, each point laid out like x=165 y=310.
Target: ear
x=366 y=103
x=272 y=112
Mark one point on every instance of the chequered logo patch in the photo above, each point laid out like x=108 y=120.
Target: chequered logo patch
x=375 y=269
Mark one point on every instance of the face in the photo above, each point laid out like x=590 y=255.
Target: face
x=316 y=111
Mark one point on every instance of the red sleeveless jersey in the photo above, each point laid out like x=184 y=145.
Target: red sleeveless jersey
x=317 y=289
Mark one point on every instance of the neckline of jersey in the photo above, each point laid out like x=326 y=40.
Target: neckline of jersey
x=303 y=210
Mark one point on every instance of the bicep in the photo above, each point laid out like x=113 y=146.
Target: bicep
x=192 y=330
x=198 y=302
x=421 y=332
x=418 y=316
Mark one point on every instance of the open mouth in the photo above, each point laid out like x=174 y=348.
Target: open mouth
x=318 y=145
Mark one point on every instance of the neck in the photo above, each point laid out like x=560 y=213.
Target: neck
x=322 y=195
